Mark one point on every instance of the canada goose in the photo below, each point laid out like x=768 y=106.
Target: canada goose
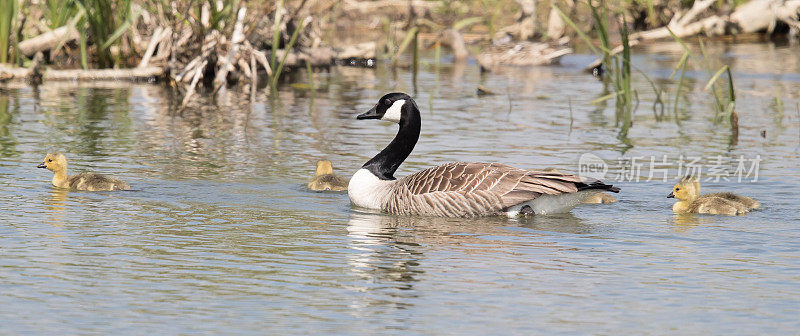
x=325 y=179
x=57 y=163
x=510 y=54
x=461 y=189
x=687 y=191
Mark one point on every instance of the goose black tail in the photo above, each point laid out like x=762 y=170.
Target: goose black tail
x=597 y=185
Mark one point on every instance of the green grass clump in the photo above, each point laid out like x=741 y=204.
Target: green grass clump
x=105 y=21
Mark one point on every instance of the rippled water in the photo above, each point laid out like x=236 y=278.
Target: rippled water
x=221 y=235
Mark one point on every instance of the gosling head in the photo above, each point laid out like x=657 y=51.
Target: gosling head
x=324 y=167
x=54 y=162
x=389 y=108
x=687 y=189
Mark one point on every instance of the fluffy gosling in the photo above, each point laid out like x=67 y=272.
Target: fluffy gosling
x=687 y=192
x=325 y=179
x=57 y=163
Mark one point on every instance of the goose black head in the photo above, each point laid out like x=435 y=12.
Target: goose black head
x=389 y=107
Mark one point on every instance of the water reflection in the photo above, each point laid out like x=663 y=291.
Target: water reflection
x=562 y=223
x=222 y=225
x=56 y=206
x=383 y=250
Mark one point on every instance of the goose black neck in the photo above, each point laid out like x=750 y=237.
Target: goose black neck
x=385 y=163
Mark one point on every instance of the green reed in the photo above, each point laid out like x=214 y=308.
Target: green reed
x=105 y=21
x=286 y=51
x=7 y=16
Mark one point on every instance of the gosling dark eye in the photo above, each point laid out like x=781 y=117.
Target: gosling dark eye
x=49 y=160
x=677 y=189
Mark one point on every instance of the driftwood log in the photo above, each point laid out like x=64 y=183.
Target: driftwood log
x=137 y=74
x=753 y=16
x=48 y=41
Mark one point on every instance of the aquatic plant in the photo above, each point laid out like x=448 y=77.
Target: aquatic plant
x=286 y=52
x=410 y=36
x=106 y=21
x=7 y=16
x=617 y=64
x=57 y=13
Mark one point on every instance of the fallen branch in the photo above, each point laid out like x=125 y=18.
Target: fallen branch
x=151 y=47
x=85 y=75
x=48 y=40
x=227 y=62
x=195 y=79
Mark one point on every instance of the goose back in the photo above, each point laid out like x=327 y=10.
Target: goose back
x=469 y=189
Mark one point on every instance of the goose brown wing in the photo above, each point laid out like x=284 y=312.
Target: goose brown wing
x=509 y=186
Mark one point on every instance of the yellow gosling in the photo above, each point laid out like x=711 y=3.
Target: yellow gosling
x=57 y=163
x=325 y=179
x=687 y=192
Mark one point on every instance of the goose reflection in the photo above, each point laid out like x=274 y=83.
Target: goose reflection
x=56 y=205
x=383 y=250
x=561 y=223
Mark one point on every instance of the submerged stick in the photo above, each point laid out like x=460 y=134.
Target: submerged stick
x=195 y=79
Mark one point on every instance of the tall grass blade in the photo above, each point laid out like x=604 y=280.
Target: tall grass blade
x=604 y=98
x=416 y=52
x=276 y=34
x=467 y=22
x=288 y=49
x=310 y=72
x=681 y=64
x=678 y=90
x=715 y=77
x=58 y=12
x=84 y=55
x=731 y=91
x=7 y=15
x=403 y=45
x=577 y=30
x=121 y=29
x=679 y=40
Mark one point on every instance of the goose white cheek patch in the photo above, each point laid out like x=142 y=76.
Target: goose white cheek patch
x=394 y=111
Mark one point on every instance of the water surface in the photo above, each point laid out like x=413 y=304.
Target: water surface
x=222 y=237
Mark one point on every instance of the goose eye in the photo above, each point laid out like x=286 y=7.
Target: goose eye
x=387 y=101
x=49 y=160
x=677 y=189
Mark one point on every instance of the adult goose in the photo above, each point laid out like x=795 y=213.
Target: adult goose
x=461 y=189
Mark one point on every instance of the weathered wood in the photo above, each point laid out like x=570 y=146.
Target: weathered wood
x=48 y=40
x=753 y=16
x=151 y=47
x=85 y=75
x=236 y=39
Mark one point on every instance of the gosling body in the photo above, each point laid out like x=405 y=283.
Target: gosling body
x=57 y=163
x=325 y=179
x=687 y=192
